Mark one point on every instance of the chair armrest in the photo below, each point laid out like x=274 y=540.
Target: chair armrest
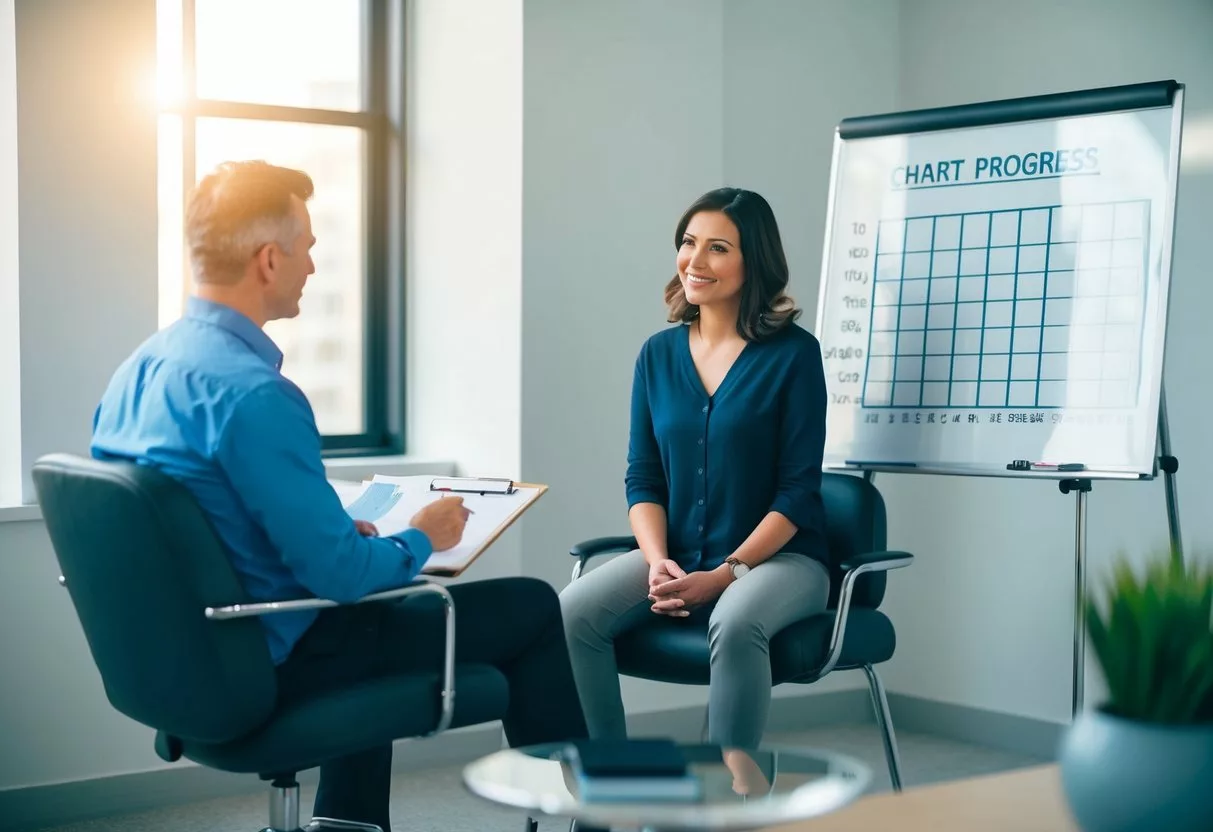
x=876 y=561
x=415 y=588
x=586 y=549
x=294 y=605
x=852 y=568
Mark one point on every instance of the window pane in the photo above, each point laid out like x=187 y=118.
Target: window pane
x=297 y=53
x=323 y=346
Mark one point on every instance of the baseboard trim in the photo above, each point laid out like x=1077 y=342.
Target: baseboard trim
x=1006 y=732
x=788 y=713
x=56 y=804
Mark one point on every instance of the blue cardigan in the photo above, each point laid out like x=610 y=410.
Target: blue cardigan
x=718 y=464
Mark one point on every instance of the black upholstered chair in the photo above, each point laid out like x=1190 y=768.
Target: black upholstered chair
x=179 y=647
x=853 y=634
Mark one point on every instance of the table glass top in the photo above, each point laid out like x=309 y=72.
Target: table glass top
x=738 y=789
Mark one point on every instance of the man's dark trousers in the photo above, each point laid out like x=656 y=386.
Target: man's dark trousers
x=513 y=624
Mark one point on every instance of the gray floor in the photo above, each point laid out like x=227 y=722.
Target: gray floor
x=434 y=800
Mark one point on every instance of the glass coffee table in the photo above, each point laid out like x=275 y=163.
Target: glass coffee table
x=740 y=789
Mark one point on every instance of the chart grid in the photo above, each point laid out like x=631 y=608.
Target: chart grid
x=1040 y=307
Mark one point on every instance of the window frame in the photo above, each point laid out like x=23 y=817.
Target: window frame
x=383 y=398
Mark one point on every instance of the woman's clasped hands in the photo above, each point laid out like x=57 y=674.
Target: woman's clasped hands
x=676 y=593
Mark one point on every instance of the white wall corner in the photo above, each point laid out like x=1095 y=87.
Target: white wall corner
x=464 y=240
x=10 y=320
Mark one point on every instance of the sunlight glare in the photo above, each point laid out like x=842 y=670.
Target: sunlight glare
x=170 y=78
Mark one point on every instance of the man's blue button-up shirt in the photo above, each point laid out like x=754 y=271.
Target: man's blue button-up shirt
x=204 y=401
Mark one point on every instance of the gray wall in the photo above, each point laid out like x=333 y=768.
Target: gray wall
x=86 y=125
x=87 y=204
x=793 y=70
x=985 y=616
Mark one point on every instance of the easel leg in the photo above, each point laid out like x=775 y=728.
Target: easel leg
x=1080 y=489
x=1169 y=465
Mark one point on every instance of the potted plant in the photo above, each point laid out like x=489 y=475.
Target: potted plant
x=1143 y=760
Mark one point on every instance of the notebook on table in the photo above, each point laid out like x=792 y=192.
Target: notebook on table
x=632 y=770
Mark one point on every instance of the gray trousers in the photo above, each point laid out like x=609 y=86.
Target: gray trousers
x=608 y=601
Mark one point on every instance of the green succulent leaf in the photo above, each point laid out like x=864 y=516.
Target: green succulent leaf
x=1152 y=635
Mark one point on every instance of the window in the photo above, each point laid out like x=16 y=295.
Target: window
x=299 y=83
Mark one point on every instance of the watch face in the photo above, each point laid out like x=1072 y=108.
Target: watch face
x=739 y=569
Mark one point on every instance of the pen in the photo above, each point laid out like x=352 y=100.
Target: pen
x=443 y=497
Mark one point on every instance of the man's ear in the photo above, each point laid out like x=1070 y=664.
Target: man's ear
x=267 y=259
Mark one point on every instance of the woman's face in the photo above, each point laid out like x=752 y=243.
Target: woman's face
x=709 y=260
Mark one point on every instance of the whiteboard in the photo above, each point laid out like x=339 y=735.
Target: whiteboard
x=995 y=281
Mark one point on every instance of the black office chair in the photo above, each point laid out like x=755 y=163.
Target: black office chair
x=180 y=650
x=851 y=635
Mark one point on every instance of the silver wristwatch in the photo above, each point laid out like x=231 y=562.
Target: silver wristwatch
x=738 y=568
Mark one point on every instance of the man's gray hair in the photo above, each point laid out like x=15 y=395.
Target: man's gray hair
x=235 y=211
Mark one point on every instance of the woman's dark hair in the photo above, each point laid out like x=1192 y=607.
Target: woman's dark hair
x=765 y=308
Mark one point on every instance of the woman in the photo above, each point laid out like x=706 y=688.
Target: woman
x=724 y=475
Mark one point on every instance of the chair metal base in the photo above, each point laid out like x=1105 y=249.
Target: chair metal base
x=320 y=824
x=532 y=825
x=284 y=812
x=880 y=704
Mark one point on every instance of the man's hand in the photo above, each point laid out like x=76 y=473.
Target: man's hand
x=366 y=528
x=664 y=570
x=442 y=521
x=681 y=595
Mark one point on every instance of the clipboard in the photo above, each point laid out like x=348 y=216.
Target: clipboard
x=493 y=513
x=442 y=570
x=473 y=485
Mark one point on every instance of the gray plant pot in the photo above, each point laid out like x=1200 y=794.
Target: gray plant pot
x=1122 y=775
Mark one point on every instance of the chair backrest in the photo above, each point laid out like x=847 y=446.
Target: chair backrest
x=141 y=562
x=855 y=524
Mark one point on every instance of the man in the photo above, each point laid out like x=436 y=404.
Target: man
x=204 y=401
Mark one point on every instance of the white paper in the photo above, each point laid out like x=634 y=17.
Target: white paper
x=490 y=512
